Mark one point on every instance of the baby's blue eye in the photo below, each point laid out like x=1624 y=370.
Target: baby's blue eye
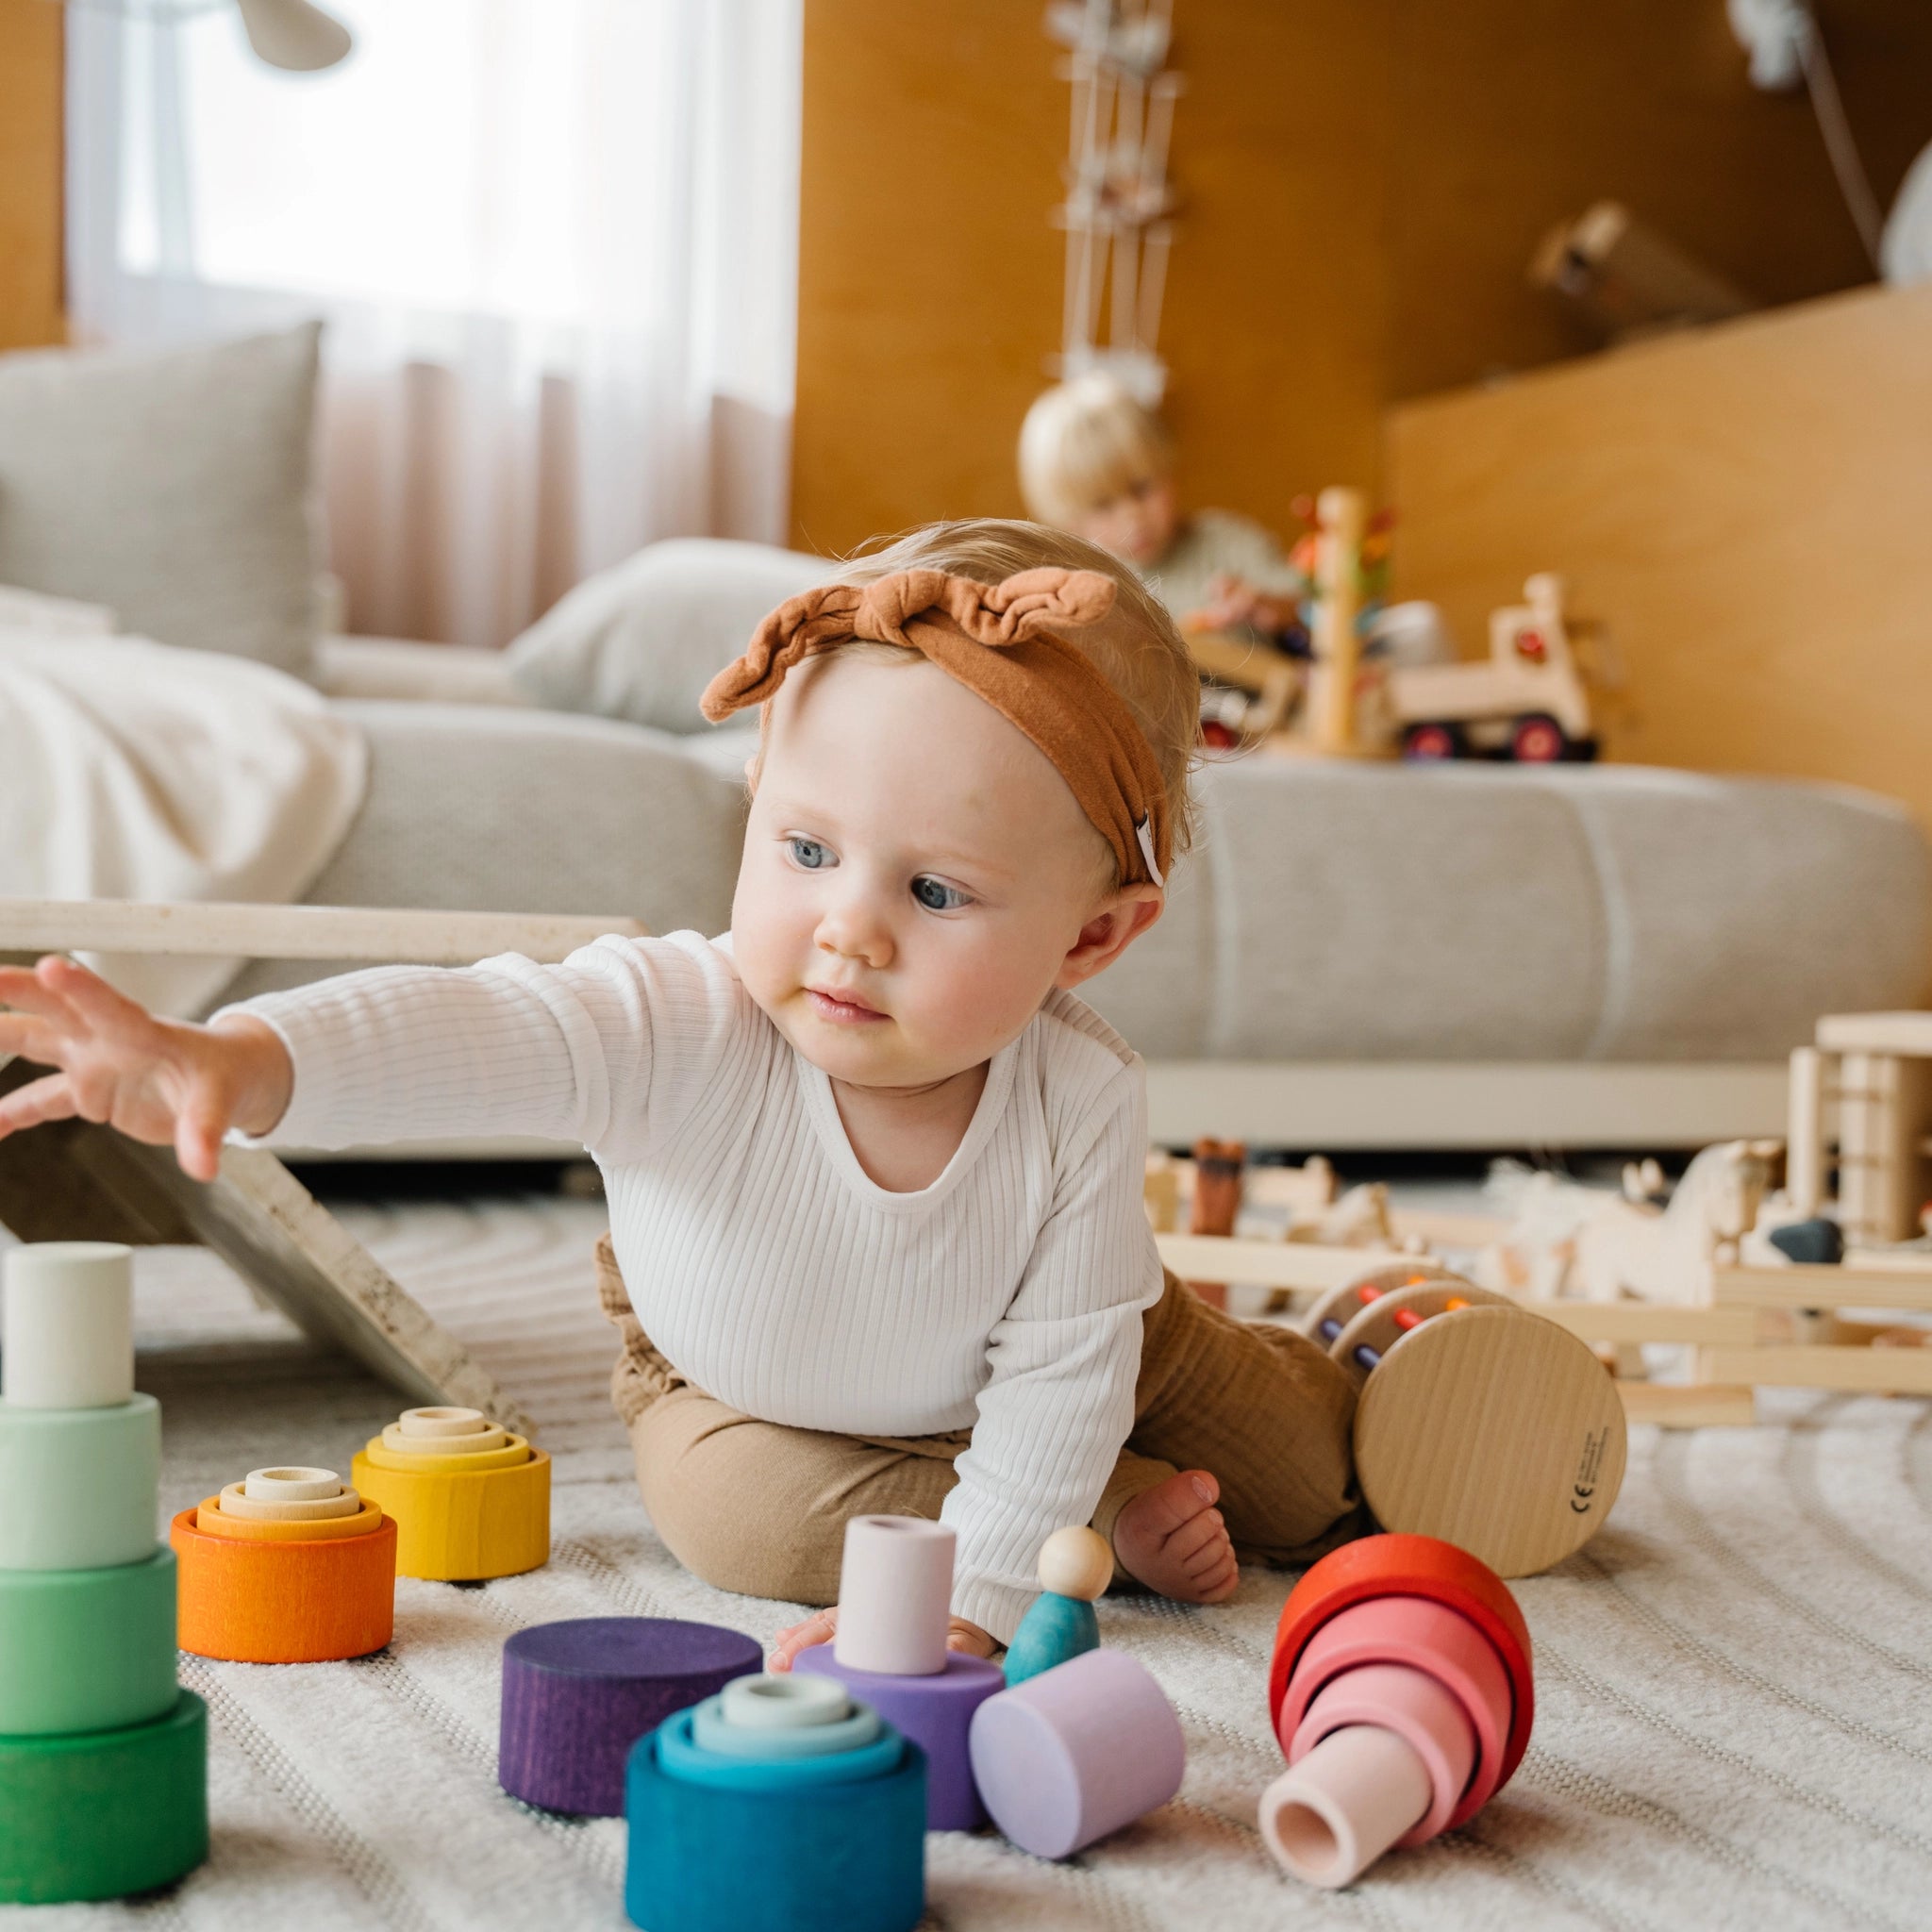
x=809 y=854
x=937 y=896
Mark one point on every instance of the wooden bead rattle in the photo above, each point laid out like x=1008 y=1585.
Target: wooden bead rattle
x=895 y=1589
x=469 y=1500
x=1401 y=1692
x=1076 y=1566
x=1478 y=1422
x=288 y=1566
x=832 y=1795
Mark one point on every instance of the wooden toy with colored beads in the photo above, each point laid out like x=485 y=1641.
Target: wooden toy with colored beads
x=1525 y=1451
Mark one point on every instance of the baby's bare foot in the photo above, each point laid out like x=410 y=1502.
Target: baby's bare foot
x=1171 y=1539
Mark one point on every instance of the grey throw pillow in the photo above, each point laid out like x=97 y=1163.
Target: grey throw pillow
x=642 y=639
x=175 y=486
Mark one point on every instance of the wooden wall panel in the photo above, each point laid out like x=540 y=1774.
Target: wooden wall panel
x=1363 y=186
x=1747 y=508
x=30 y=171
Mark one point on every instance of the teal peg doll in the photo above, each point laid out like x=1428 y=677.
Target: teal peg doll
x=1076 y=1565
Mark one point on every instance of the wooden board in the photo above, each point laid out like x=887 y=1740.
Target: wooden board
x=73 y=1181
x=1649 y=1322
x=1688 y=1405
x=1244 y=1263
x=1873 y=1371
x=1902 y=1033
x=393 y=935
x=1801 y=1286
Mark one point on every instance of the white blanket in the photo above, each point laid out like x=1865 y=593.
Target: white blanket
x=130 y=770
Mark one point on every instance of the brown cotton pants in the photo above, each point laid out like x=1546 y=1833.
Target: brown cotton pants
x=761 y=1508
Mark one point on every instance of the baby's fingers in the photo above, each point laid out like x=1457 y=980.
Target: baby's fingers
x=22 y=1033
x=89 y=996
x=816 y=1629
x=51 y=1099
x=199 y=1129
x=27 y=992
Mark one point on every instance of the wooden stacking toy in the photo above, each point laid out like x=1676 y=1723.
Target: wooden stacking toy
x=1478 y=1422
x=895 y=1589
x=469 y=1500
x=577 y=1695
x=289 y=1566
x=103 y=1755
x=1065 y=1757
x=1401 y=1692
x=1076 y=1566
x=781 y=1805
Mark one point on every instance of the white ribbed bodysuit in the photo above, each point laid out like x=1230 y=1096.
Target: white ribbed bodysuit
x=762 y=1261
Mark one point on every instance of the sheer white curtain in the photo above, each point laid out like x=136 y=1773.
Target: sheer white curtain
x=555 y=242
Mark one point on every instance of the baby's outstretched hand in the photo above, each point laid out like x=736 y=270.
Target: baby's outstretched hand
x=167 y=1082
x=823 y=1625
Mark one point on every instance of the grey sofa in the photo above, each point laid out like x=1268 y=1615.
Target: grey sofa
x=1356 y=954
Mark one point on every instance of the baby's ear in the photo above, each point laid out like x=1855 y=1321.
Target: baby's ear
x=1118 y=922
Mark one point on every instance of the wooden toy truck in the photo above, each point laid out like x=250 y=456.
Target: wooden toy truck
x=1529 y=700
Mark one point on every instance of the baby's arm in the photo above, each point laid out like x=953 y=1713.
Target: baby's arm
x=1064 y=1361
x=605 y=1049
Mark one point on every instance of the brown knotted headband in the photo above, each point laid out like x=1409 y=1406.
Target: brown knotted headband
x=1010 y=644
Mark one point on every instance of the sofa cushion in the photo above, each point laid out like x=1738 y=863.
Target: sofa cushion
x=1353 y=912
x=642 y=639
x=173 y=486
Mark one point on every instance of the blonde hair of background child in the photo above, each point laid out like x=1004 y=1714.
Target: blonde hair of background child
x=1086 y=441
x=1155 y=675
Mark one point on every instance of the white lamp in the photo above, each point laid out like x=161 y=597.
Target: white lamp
x=293 y=35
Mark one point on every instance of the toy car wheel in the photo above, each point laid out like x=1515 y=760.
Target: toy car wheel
x=1429 y=743
x=1537 y=740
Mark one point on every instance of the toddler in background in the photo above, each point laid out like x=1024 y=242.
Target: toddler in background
x=875 y=1172
x=1097 y=462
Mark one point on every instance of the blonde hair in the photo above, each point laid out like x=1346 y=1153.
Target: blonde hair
x=1155 y=674
x=1085 y=441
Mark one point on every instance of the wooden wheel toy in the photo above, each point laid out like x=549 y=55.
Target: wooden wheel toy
x=1478 y=1422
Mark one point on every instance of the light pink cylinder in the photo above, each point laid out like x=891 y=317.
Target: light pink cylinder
x=1065 y=1757
x=895 y=1594
x=1417 y=1709
x=1330 y=1818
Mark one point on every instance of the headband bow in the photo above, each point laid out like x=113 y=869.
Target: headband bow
x=1010 y=644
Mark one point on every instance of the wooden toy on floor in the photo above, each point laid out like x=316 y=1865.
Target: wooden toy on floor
x=1529 y=700
x=1218 y=1168
x=895 y=1589
x=289 y=1566
x=469 y=1500
x=1478 y=1422
x=779 y=1804
x=1066 y=1758
x=1401 y=1692
x=103 y=1755
x=1076 y=1566
x=577 y=1695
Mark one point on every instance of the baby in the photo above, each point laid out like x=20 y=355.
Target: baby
x=873 y=1171
x=1095 y=461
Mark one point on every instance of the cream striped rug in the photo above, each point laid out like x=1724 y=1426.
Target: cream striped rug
x=1733 y=1681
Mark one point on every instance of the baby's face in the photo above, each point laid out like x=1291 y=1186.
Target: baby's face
x=1136 y=522
x=916 y=874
